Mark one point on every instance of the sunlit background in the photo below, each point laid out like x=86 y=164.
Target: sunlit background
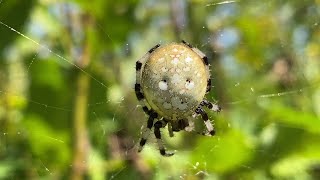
x=68 y=108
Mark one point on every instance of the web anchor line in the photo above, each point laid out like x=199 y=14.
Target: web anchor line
x=279 y=94
x=54 y=53
x=220 y=3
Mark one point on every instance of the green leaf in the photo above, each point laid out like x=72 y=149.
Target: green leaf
x=44 y=140
x=5 y=169
x=224 y=153
x=299 y=162
x=14 y=13
x=294 y=118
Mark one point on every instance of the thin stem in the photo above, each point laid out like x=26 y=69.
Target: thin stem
x=82 y=144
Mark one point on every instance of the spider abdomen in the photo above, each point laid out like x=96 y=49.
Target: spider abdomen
x=174 y=81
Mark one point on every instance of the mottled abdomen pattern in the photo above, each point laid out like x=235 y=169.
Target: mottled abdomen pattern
x=174 y=81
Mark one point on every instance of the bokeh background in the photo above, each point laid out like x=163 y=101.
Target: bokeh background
x=68 y=109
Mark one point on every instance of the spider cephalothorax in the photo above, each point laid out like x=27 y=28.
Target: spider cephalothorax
x=171 y=83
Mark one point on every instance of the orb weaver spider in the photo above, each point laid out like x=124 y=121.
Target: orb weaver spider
x=171 y=83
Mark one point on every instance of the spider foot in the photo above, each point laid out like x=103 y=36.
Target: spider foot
x=216 y=108
x=141 y=144
x=164 y=153
x=209 y=133
x=212 y=106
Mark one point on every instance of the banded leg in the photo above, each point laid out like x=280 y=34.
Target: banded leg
x=157 y=133
x=170 y=129
x=190 y=126
x=139 y=64
x=208 y=124
x=205 y=62
x=196 y=50
x=211 y=106
x=208 y=85
x=176 y=126
x=140 y=96
x=147 y=130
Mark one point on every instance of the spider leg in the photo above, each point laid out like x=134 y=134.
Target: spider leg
x=205 y=62
x=196 y=50
x=208 y=85
x=146 y=132
x=210 y=105
x=140 y=97
x=176 y=126
x=170 y=128
x=190 y=126
x=137 y=86
x=205 y=118
x=157 y=133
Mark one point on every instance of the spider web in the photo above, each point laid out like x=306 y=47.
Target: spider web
x=120 y=106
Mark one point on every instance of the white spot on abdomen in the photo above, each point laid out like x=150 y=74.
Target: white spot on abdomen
x=189 y=85
x=177 y=103
x=175 y=61
x=161 y=60
x=164 y=69
x=186 y=69
x=167 y=105
x=182 y=91
x=175 y=79
x=163 y=85
x=188 y=60
x=160 y=100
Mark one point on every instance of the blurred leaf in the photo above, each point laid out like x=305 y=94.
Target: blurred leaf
x=294 y=118
x=47 y=73
x=96 y=165
x=297 y=164
x=113 y=35
x=224 y=153
x=114 y=20
x=5 y=168
x=13 y=13
x=45 y=141
x=16 y=101
x=255 y=38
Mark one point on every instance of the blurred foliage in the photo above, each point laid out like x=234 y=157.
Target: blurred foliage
x=68 y=109
x=16 y=19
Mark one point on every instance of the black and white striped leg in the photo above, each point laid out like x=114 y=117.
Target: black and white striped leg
x=170 y=129
x=208 y=85
x=139 y=64
x=196 y=50
x=140 y=96
x=186 y=43
x=205 y=62
x=147 y=130
x=177 y=125
x=208 y=124
x=157 y=133
x=190 y=126
x=211 y=106
x=154 y=48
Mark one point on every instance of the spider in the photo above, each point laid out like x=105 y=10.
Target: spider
x=171 y=83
